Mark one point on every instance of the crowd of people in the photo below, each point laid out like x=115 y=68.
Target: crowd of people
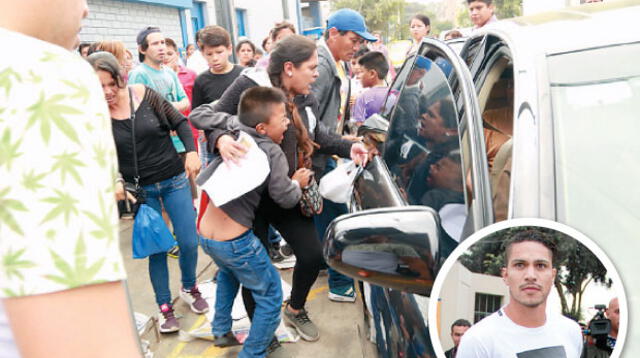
x=161 y=124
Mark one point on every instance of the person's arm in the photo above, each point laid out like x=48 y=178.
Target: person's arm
x=285 y=191
x=182 y=104
x=197 y=95
x=89 y=321
x=230 y=99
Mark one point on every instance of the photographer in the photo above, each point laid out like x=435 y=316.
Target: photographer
x=602 y=332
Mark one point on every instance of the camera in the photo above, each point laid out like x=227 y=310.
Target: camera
x=599 y=328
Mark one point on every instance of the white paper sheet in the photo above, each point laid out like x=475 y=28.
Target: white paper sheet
x=230 y=181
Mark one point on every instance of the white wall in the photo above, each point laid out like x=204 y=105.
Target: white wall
x=119 y=20
x=458 y=295
x=262 y=15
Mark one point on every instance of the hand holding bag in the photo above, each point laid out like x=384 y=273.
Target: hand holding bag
x=150 y=234
x=337 y=185
x=311 y=200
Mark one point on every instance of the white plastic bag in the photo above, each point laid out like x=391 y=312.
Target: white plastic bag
x=338 y=183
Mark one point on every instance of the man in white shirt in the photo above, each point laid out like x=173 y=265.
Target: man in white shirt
x=61 y=271
x=523 y=329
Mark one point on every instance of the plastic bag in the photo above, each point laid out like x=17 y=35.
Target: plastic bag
x=337 y=185
x=150 y=234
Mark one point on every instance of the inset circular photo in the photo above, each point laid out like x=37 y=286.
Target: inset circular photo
x=528 y=288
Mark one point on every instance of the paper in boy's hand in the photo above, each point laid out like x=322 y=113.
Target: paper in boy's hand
x=231 y=181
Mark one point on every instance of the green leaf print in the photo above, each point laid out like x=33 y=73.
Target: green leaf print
x=31 y=180
x=100 y=152
x=106 y=228
x=67 y=163
x=81 y=91
x=5 y=79
x=8 y=150
x=48 y=57
x=75 y=272
x=64 y=204
x=34 y=77
x=11 y=293
x=47 y=111
x=12 y=264
x=6 y=206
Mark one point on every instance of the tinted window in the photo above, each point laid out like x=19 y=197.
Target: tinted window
x=422 y=150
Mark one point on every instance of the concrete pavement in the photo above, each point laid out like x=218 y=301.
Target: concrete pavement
x=341 y=325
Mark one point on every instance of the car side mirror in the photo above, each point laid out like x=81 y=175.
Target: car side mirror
x=394 y=247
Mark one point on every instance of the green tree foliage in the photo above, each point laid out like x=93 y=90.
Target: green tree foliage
x=577 y=265
x=508 y=8
x=380 y=15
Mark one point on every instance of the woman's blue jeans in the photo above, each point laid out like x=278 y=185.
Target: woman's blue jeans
x=176 y=198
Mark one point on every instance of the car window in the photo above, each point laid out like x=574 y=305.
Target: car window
x=422 y=150
x=595 y=104
x=392 y=95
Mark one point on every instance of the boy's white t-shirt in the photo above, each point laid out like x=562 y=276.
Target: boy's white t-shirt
x=497 y=336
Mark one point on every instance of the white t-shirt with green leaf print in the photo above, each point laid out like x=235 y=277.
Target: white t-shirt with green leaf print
x=58 y=217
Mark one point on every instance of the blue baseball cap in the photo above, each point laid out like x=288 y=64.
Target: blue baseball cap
x=350 y=20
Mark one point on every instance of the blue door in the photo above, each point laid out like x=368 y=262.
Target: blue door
x=240 y=19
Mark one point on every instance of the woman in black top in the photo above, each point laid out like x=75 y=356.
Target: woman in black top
x=293 y=68
x=161 y=174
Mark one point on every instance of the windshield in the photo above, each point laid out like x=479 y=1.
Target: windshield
x=596 y=113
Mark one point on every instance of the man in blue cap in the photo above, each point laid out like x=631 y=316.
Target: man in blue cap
x=346 y=32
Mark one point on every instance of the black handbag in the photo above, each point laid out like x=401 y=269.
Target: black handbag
x=311 y=200
x=126 y=206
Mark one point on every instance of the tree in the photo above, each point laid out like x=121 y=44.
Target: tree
x=380 y=15
x=577 y=265
x=508 y=8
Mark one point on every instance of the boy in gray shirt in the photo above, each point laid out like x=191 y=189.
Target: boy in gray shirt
x=226 y=230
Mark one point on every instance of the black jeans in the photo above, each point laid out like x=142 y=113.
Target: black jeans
x=300 y=233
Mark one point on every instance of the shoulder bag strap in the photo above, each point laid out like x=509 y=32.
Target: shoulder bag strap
x=136 y=178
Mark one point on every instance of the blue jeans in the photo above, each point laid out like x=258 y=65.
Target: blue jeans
x=244 y=260
x=176 y=197
x=330 y=211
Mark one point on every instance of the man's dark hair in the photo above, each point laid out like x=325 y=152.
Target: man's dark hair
x=376 y=61
x=488 y=2
x=214 y=36
x=255 y=105
x=460 y=323
x=143 y=42
x=82 y=46
x=341 y=32
x=530 y=235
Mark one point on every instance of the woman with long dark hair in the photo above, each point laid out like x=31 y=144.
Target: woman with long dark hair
x=140 y=114
x=292 y=68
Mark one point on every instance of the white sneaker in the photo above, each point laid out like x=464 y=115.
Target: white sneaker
x=194 y=299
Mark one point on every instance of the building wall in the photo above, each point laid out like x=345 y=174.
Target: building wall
x=121 y=20
x=262 y=15
x=458 y=295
